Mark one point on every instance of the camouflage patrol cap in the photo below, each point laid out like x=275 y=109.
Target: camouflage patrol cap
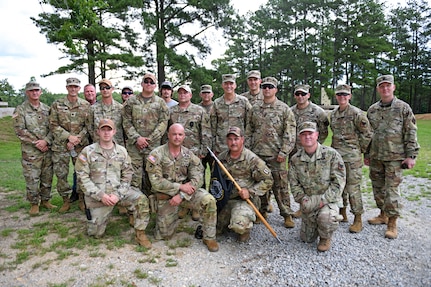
x=106 y=82
x=228 y=78
x=254 y=74
x=206 y=89
x=302 y=88
x=236 y=131
x=106 y=123
x=343 y=89
x=185 y=88
x=32 y=86
x=149 y=76
x=270 y=81
x=307 y=127
x=73 y=82
x=385 y=79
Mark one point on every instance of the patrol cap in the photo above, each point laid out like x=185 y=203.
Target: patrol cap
x=206 y=89
x=385 y=79
x=149 y=76
x=254 y=74
x=185 y=88
x=166 y=84
x=106 y=82
x=307 y=127
x=302 y=88
x=32 y=86
x=235 y=131
x=343 y=89
x=270 y=81
x=228 y=78
x=73 y=82
x=106 y=123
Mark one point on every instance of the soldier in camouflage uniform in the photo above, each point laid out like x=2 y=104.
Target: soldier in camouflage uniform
x=68 y=125
x=104 y=172
x=271 y=134
x=351 y=134
x=254 y=94
x=252 y=175
x=317 y=178
x=394 y=146
x=145 y=119
x=106 y=108
x=90 y=94
x=229 y=110
x=31 y=124
x=206 y=95
x=176 y=175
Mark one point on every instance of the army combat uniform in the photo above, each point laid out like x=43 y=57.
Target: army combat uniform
x=253 y=99
x=100 y=111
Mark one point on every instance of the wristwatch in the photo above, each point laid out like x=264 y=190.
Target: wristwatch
x=181 y=195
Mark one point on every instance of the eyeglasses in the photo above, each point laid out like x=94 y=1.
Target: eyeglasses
x=127 y=93
x=300 y=94
x=268 y=86
x=105 y=88
x=148 y=81
x=342 y=94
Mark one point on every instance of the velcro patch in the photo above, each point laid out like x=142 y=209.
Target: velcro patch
x=152 y=158
x=82 y=158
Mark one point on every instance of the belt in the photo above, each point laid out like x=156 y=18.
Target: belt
x=163 y=196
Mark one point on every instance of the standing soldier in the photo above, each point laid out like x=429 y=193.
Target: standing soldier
x=104 y=172
x=145 y=119
x=317 y=178
x=394 y=146
x=176 y=175
x=229 y=110
x=126 y=93
x=31 y=124
x=166 y=92
x=90 y=94
x=206 y=95
x=67 y=119
x=254 y=94
x=351 y=134
x=271 y=134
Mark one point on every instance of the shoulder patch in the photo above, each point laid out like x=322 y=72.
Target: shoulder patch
x=267 y=171
x=152 y=158
x=14 y=115
x=82 y=158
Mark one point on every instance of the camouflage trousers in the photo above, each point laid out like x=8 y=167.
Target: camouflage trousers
x=280 y=187
x=61 y=161
x=386 y=177
x=321 y=222
x=38 y=173
x=140 y=177
x=237 y=215
x=136 y=204
x=167 y=215
x=352 y=190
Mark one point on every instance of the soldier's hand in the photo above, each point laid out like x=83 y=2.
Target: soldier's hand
x=42 y=145
x=110 y=199
x=142 y=142
x=70 y=146
x=187 y=188
x=281 y=158
x=408 y=163
x=176 y=200
x=244 y=193
x=74 y=140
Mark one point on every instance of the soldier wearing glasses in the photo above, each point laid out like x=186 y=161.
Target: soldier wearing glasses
x=145 y=119
x=126 y=93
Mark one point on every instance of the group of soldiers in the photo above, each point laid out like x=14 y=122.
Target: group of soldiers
x=149 y=154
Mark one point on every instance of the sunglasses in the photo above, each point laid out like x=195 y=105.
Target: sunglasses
x=127 y=93
x=300 y=94
x=148 y=81
x=268 y=86
x=342 y=94
x=105 y=88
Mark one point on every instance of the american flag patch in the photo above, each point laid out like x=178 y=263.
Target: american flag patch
x=82 y=158
x=152 y=158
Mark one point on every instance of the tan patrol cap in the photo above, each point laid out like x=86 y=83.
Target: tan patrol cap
x=228 y=78
x=254 y=74
x=106 y=82
x=73 y=82
x=385 y=79
x=302 y=88
x=185 y=88
x=343 y=89
x=270 y=81
x=235 y=131
x=206 y=89
x=149 y=76
x=106 y=123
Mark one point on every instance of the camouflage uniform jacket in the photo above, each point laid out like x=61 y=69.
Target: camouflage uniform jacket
x=351 y=133
x=207 y=108
x=145 y=118
x=32 y=124
x=197 y=127
x=99 y=174
x=223 y=116
x=249 y=171
x=322 y=174
x=271 y=130
x=253 y=99
x=67 y=119
x=395 y=131
x=100 y=111
x=312 y=113
x=167 y=173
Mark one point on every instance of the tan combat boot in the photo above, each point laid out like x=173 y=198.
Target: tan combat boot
x=392 y=232
x=142 y=239
x=356 y=227
x=34 y=210
x=122 y=210
x=211 y=244
x=270 y=208
x=131 y=220
x=48 y=205
x=344 y=214
x=66 y=205
x=297 y=214
x=81 y=202
x=288 y=222
x=324 y=244
x=379 y=219
x=244 y=237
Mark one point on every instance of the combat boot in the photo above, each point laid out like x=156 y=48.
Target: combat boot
x=34 y=210
x=131 y=220
x=288 y=222
x=297 y=214
x=81 y=202
x=324 y=244
x=244 y=237
x=379 y=219
x=211 y=244
x=270 y=208
x=356 y=227
x=196 y=215
x=142 y=239
x=392 y=232
x=66 y=205
x=344 y=214
x=183 y=212
x=48 y=205
x=122 y=210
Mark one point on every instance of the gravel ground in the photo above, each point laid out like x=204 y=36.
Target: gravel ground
x=363 y=259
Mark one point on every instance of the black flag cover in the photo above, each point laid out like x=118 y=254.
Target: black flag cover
x=220 y=187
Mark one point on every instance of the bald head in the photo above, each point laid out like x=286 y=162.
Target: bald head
x=176 y=135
